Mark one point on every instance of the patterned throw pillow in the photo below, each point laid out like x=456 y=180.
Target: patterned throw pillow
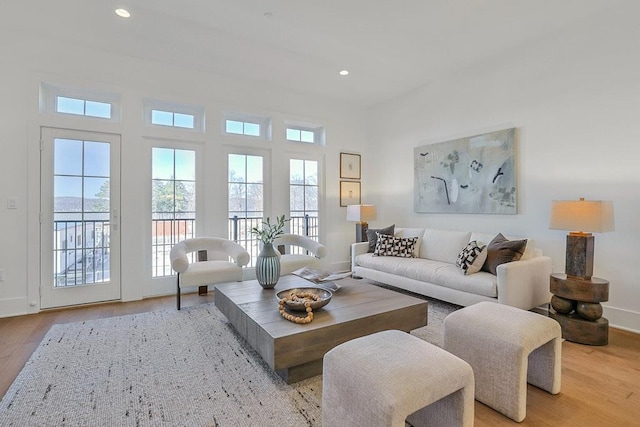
x=372 y=235
x=472 y=258
x=387 y=245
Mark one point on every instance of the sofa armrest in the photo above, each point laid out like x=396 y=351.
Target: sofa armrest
x=358 y=249
x=524 y=284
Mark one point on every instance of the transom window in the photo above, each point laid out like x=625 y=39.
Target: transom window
x=168 y=114
x=79 y=102
x=301 y=135
x=83 y=107
x=246 y=124
x=304 y=132
x=242 y=128
x=169 y=118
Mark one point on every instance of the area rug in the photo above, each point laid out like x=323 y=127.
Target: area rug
x=169 y=368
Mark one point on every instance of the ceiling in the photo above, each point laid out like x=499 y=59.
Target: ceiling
x=389 y=47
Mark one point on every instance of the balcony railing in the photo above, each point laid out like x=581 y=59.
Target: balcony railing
x=81 y=252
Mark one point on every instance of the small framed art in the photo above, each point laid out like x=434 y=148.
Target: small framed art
x=349 y=166
x=349 y=193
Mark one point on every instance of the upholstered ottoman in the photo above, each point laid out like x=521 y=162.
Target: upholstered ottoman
x=384 y=378
x=506 y=347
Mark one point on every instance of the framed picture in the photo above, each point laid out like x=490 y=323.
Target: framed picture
x=349 y=166
x=476 y=174
x=349 y=193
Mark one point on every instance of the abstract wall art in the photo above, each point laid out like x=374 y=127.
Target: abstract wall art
x=468 y=175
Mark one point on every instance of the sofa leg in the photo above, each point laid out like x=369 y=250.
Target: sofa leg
x=178 y=291
x=202 y=290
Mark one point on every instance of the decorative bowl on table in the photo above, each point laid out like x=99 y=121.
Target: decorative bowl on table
x=324 y=296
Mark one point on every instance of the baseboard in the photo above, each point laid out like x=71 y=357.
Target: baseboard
x=15 y=307
x=623 y=319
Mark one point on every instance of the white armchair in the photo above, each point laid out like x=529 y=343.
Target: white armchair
x=290 y=262
x=216 y=269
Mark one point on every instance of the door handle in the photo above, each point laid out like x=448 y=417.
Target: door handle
x=114 y=219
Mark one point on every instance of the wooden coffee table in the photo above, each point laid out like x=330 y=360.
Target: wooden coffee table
x=295 y=351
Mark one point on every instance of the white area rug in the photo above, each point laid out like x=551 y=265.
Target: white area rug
x=172 y=368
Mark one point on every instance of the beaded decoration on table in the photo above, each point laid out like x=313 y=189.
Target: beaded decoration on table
x=298 y=296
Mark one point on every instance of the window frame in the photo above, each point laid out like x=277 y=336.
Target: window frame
x=49 y=94
x=317 y=131
x=264 y=122
x=198 y=113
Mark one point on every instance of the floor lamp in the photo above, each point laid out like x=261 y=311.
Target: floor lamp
x=361 y=214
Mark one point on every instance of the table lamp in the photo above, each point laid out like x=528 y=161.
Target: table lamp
x=581 y=218
x=361 y=214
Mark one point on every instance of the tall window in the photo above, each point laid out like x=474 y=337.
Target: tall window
x=246 y=196
x=173 y=201
x=303 y=197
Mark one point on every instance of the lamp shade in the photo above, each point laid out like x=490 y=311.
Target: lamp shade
x=590 y=216
x=361 y=213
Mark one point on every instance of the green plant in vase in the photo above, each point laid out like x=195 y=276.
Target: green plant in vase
x=268 y=262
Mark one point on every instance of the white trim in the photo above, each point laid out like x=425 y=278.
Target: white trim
x=198 y=113
x=264 y=123
x=620 y=316
x=50 y=92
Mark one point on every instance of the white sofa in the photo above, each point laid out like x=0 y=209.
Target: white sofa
x=432 y=271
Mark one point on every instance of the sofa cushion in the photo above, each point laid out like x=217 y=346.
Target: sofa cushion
x=372 y=238
x=412 y=232
x=501 y=250
x=394 y=246
x=443 y=245
x=471 y=258
x=529 y=252
x=436 y=272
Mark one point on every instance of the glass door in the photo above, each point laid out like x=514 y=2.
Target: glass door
x=79 y=227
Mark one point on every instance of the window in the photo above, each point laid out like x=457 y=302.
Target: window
x=242 y=128
x=173 y=201
x=248 y=125
x=168 y=118
x=83 y=107
x=308 y=134
x=246 y=199
x=303 y=197
x=79 y=102
x=168 y=114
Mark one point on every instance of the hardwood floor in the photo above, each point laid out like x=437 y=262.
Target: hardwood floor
x=600 y=385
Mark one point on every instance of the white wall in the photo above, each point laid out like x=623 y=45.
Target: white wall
x=574 y=99
x=27 y=61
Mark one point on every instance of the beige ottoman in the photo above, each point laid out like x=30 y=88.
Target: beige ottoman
x=387 y=377
x=506 y=347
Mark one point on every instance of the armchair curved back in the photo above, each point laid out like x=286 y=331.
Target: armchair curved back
x=317 y=249
x=179 y=252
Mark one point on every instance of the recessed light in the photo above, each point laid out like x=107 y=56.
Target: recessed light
x=344 y=72
x=123 y=13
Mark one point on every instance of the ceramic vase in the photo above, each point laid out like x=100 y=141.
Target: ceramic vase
x=268 y=267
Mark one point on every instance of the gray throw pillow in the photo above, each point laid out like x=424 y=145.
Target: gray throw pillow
x=372 y=238
x=501 y=250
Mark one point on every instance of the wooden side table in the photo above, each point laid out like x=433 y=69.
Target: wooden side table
x=576 y=306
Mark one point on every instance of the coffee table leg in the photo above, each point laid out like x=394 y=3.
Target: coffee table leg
x=301 y=372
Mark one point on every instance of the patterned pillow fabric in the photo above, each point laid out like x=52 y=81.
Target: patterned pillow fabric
x=372 y=235
x=472 y=258
x=387 y=245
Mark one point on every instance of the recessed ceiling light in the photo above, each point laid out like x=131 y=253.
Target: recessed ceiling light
x=344 y=73
x=123 y=13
